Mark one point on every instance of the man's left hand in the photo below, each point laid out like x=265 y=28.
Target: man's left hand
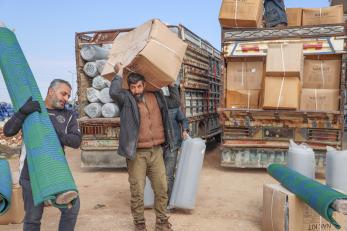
x=185 y=135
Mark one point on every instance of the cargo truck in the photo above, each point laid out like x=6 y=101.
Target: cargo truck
x=200 y=88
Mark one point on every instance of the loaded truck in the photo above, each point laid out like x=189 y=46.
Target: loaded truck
x=254 y=137
x=200 y=86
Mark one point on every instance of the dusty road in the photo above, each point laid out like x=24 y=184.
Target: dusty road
x=227 y=200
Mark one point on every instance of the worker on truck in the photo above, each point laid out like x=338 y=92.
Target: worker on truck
x=181 y=131
x=145 y=128
x=275 y=13
x=65 y=124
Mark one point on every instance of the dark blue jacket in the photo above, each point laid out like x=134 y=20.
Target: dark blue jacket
x=275 y=13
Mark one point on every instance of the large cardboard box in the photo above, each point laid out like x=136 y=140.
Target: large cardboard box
x=151 y=50
x=319 y=16
x=245 y=13
x=283 y=211
x=15 y=214
x=281 y=93
x=322 y=74
x=294 y=16
x=319 y=100
x=243 y=99
x=285 y=60
x=245 y=75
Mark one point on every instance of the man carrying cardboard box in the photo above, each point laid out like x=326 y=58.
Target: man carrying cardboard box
x=145 y=128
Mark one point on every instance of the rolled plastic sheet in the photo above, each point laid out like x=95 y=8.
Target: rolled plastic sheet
x=93 y=53
x=49 y=171
x=187 y=174
x=100 y=82
x=336 y=169
x=301 y=159
x=100 y=65
x=104 y=96
x=91 y=69
x=110 y=110
x=318 y=196
x=5 y=186
x=93 y=95
x=93 y=110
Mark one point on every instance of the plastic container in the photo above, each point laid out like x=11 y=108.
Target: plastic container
x=93 y=53
x=93 y=95
x=93 y=110
x=301 y=159
x=90 y=69
x=336 y=169
x=100 y=82
x=110 y=110
x=105 y=96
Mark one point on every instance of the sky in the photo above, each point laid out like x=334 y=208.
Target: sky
x=46 y=29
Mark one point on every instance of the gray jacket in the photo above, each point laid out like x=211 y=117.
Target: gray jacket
x=130 y=119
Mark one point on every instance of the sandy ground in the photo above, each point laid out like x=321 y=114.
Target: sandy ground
x=227 y=199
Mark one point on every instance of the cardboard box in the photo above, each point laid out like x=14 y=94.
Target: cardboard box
x=322 y=74
x=151 y=50
x=320 y=100
x=245 y=13
x=285 y=60
x=245 y=75
x=320 y=16
x=281 y=93
x=294 y=16
x=243 y=99
x=283 y=211
x=15 y=214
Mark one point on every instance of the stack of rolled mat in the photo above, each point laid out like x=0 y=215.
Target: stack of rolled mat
x=5 y=186
x=48 y=168
x=318 y=196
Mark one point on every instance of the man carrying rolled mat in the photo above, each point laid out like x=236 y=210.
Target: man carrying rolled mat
x=66 y=127
x=144 y=129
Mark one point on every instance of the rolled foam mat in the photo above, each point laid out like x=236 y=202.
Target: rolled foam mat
x=48 y=168
x=318 y=196
x=5 y=186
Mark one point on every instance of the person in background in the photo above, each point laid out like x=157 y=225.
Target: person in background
x=66 y=126
x=275 y=13
x=181 y=131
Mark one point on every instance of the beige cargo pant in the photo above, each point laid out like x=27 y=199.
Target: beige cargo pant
x=147 y=162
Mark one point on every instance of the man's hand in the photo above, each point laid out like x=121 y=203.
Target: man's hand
x=185 y=135
x=30 y=106
x=172 y=84
x=118 y=69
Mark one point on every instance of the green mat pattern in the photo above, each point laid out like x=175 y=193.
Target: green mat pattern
x=5 y=186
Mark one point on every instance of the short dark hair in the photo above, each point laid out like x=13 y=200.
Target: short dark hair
x=133 y=78
x=55 y=82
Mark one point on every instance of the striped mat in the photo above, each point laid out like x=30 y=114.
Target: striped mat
x=48 y=168
x=5 y=186
x=318 y=196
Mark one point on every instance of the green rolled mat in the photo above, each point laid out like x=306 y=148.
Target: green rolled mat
x=5 y=186
x=48 y=169
x=318 y=196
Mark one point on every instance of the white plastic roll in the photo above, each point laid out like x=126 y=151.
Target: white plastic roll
x=90 y=69
x=188 y=173
x=148 y=197
x=336 y=169
x=93 y=95
x=100 y=65
x=100 y=82
x=93 y=110
x=110 y=110
x=107 y=46
x=93 y=52
x=104 y=96
x=301 y=159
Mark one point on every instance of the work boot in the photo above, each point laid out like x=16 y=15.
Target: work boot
x=140 y=227
x=163 y=225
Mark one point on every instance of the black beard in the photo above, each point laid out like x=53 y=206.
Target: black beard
x=139 y=97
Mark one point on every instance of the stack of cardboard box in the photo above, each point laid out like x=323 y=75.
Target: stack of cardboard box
x=244 y=83
x=284 y=70
x=245 y=13
x=321 y=83
x=315 y=16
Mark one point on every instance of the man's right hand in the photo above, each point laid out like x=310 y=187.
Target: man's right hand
x=118 y=69
x=30 y=106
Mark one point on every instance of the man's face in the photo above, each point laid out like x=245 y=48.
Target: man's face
x=137 y=90
x=59 y=94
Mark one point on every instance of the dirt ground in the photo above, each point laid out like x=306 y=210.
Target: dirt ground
x=227 y=199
